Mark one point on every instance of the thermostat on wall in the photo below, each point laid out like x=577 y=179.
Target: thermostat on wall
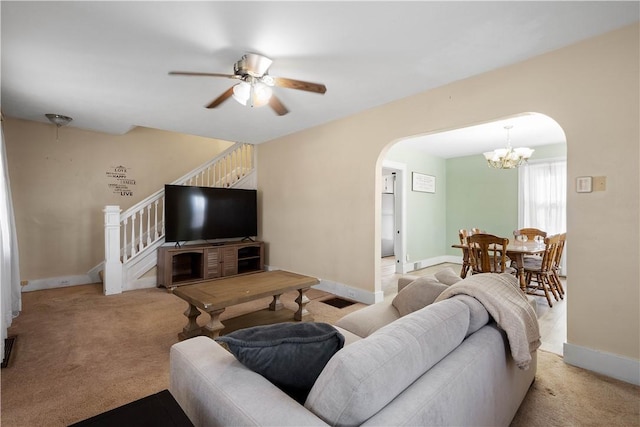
x=583 y=184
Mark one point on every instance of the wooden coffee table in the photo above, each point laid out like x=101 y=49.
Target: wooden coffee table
x=215 y=295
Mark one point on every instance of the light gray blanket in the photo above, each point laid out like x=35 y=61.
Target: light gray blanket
x=501 y=296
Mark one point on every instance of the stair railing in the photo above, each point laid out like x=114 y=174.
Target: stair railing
x=141 y=227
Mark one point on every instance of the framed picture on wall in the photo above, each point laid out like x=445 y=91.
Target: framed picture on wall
x=422 y=182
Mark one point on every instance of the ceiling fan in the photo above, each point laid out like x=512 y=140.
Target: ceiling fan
x=254 y=89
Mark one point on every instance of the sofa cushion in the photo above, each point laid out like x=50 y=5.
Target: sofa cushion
x=291 y=355
x=365 y=376
x=418 y=294
x=368 y=320
x=349 y=337
x=447 y=276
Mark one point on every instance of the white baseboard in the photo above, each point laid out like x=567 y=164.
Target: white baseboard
x=417 y=265
x=142 y=283
x=609 y=364
x=354 y=294
x=94 y=273
x=344 y=291
x=339 y=289
x=57 y=282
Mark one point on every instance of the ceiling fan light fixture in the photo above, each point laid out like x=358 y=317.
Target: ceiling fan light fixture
x=255 y=87
x=242 y=92
x=260 y=95
x=268 y=80
x=255 y=65
x=254 y=94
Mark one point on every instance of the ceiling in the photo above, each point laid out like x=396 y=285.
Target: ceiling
x=527 y=130
x=106 y=64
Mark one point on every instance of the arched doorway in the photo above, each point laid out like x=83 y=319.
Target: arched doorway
x=463 y=184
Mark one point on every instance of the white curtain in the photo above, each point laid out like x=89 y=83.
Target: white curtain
x=543 y=197
x=10 y=296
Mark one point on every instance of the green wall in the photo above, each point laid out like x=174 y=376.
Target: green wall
x=426 y=212
x=486 y=198
x=468 y=194
x=480 y=197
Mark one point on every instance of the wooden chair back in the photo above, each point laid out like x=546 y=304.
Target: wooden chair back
x=557 y=262
x=531 y=233
x=551 y=244
x=487 y=253
x=542 y=271
x=464 y=234
x=557 y=259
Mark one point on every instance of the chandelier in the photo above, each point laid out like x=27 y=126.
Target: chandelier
x=508 y=158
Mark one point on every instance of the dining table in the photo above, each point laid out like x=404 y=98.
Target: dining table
x=516 y=252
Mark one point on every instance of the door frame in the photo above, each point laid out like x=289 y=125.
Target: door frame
x=399 y=208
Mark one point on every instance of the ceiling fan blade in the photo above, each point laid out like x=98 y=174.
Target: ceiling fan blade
x=299 y=84
x=193 y=73
x=219 y=100
x=277 y=106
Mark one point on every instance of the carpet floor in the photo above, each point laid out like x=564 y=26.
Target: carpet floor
x=79 y=353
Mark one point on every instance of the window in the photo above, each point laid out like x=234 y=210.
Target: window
x=543 y=197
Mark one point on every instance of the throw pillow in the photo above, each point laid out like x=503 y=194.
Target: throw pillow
x=447 y=276
x=291 y=355
x=417 y=294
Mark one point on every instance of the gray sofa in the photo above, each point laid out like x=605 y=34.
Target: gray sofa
x=445 y=364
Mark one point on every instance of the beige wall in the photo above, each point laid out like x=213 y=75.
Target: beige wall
x=320 y=188
x=60 y=187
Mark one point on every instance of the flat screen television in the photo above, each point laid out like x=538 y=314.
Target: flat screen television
x=205 y=213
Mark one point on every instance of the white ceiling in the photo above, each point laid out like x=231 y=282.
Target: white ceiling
x=105 y=63
x=530 y=130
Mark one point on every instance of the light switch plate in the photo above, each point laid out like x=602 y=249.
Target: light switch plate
x=599 y=183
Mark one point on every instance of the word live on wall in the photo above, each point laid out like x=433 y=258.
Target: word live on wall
x=120 y=181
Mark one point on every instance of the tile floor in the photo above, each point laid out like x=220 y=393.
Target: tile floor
x=552 y=321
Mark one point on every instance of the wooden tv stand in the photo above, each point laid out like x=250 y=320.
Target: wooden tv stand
x=191 y=264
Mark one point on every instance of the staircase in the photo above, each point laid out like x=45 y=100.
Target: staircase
x=132 y=237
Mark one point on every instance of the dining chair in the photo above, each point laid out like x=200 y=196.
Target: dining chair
x=531 y=233
x=541 y=272
x=463 y=234
x=557 y=262
x=477 y=231
x=487 y=253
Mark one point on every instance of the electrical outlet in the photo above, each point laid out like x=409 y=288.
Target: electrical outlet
x=24 y=282
x=351 y=294
x=64 y=282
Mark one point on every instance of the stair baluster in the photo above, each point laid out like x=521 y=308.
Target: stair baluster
x=226 y=170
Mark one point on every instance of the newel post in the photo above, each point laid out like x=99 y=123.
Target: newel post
x=112 y=281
